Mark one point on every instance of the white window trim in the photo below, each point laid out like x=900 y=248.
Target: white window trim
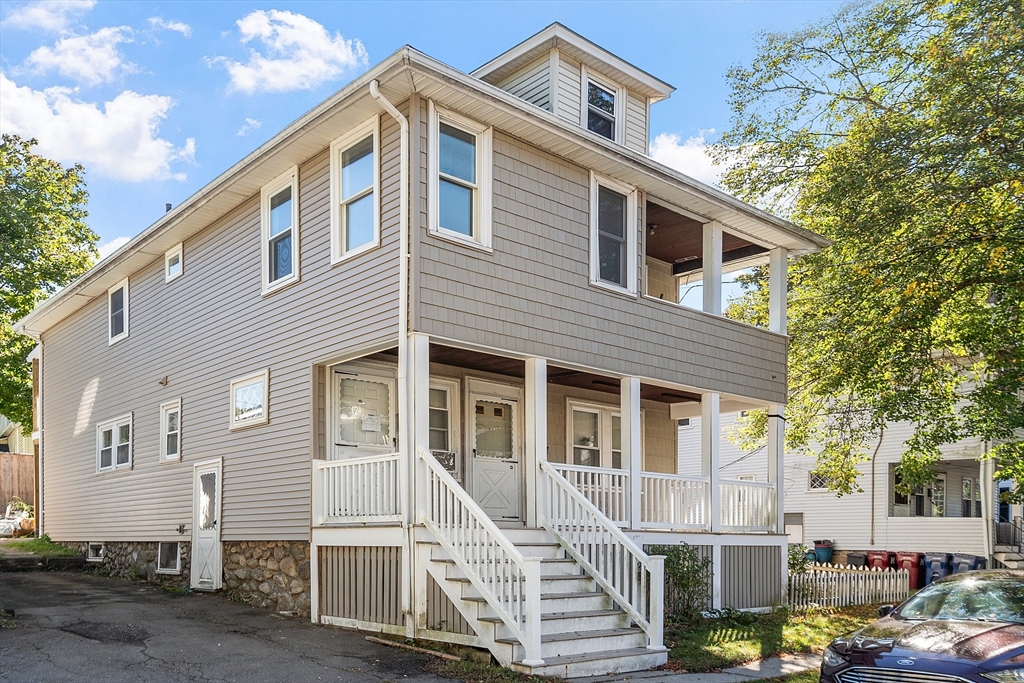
x=371 y=127
x=171 y=253
x=166 y=408
x=262 y=376
x=688 y=425
x=454 y=433
x=89 y=557
x=111 y=340
x=289 y=178
x=482 y=215
x=596 y=182
x=619 y=92
x=114 y=424
x=605 y=425
x=177 y=559
x=811 y=489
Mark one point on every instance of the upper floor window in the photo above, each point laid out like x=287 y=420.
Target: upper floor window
x=117 y=311
x=600 y=110
x=114 y=444
x=355 y=192
x=279 y=210
x=170 y=431
x=460 y=177
x=613 y=235
x=249 y=400
x=174 y=263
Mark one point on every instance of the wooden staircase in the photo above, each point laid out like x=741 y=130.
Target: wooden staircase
x=583 y=631
x=1009 y=556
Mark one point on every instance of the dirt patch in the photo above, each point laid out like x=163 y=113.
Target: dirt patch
x=128 y=634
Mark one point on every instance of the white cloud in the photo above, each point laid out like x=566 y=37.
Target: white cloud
x=118 y=141
x=179 y=26
x=90 y=59
x=108 y=248
x=687 y=156
x=249 y=126
x=299 y=53
x=48 y=15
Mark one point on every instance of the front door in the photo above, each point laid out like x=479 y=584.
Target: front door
x=496 y=446
x=362 y=415
x=206 y=569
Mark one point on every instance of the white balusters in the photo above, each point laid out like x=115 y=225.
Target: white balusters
x=360 y=490
x=669 y=501
x=607 y=489
x=747 y=505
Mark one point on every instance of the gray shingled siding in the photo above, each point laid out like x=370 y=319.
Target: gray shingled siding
x=202 y=330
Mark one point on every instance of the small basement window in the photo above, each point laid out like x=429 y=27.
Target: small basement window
x=94 y=553
x=169 y=558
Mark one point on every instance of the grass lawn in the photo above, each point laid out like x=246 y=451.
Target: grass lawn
x=716 y=644
x=43 y=547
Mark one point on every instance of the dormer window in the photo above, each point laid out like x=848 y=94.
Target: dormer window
x=600 y=110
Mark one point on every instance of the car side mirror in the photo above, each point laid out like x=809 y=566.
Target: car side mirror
x=885 y=610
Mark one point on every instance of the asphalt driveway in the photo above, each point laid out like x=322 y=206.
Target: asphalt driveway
x=80 y=627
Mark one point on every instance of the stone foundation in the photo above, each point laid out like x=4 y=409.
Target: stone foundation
x=272 y=574
x=136 y=560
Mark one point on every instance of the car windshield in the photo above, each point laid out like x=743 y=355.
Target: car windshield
x=980 y=599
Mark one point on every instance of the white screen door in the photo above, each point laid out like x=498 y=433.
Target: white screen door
x=362 y=415
x=495 y=444
x=206 y=570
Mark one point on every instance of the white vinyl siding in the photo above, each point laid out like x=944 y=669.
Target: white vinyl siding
x=532 y=83
x=114 y=444
x=279 y=210
x=170 y=431
x=636 y=124
x=355 y=192
x=117 y=312
x=569 y=90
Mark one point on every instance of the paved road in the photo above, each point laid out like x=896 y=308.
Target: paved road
x=78 y=627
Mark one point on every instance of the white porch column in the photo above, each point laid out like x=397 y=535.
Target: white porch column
x=988 y=503
x=712 y=267
x=536 y=433
x=778 y=263
x=776 y=460
x=710 y=454
x=419 y=391
x=629 y=397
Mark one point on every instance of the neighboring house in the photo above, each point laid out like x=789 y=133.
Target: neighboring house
x=347 y=376
x=959 y=512
x=17 y=464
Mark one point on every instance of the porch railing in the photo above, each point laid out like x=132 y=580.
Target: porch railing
x=357 y=490
x=607 y=489
x=509 y=582
x=670 y=501
x=747 y=505
x=633 y=579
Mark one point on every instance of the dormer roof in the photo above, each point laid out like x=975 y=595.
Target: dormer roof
x=579 y=48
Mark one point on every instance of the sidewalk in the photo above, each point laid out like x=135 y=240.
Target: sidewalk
x=755 y=671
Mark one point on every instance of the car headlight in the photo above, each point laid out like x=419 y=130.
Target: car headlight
x=1008 y=676
x=832 y=658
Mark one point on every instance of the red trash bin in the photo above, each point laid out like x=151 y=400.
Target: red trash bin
x=881 y=559
x=912 y=563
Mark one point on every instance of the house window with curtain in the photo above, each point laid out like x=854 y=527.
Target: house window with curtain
x=279 y=222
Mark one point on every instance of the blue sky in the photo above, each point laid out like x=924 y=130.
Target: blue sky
x=155 y=99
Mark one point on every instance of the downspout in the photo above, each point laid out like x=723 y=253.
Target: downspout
x=405 y=436
x=988 y=495
x=874 y=458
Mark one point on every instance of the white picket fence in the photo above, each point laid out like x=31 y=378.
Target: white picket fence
x=830 y=585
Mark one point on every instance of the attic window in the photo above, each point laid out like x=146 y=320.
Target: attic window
x=117 y=310
x=174 y=264
x=600 y=110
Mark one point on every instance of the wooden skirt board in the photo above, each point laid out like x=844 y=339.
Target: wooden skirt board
x=362 y=583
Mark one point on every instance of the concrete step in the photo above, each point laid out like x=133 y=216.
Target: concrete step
x=582 y=642
x=597 y=664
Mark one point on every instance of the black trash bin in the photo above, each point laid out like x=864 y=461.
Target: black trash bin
x=857 y=559
x=936 y=566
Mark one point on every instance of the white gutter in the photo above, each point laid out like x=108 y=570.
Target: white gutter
x=405 y=436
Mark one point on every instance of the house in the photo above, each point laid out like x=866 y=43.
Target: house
x=17 y=464
x=959 y=512
x=408 y=367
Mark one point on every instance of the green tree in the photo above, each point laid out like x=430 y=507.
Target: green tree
x=44 y=245
x=897 y=130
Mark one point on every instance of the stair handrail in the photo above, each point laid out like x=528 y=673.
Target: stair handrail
x=610 y=557
x=494 y=566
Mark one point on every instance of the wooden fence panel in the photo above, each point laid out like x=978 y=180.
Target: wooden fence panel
x=17 y=478
x=838 y=586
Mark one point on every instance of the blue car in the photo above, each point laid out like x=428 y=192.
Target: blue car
x=964 y=628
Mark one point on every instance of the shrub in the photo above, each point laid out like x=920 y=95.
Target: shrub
x=687 y=581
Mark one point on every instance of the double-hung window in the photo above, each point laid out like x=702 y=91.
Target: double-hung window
x=170 y=431
x=613 y=235
x=355 y=192
x=443 y=411
x=279 y=214
x=600 y=109
x=117 y=312
x=114 y=444
x=460 y=178
x=595 y=435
